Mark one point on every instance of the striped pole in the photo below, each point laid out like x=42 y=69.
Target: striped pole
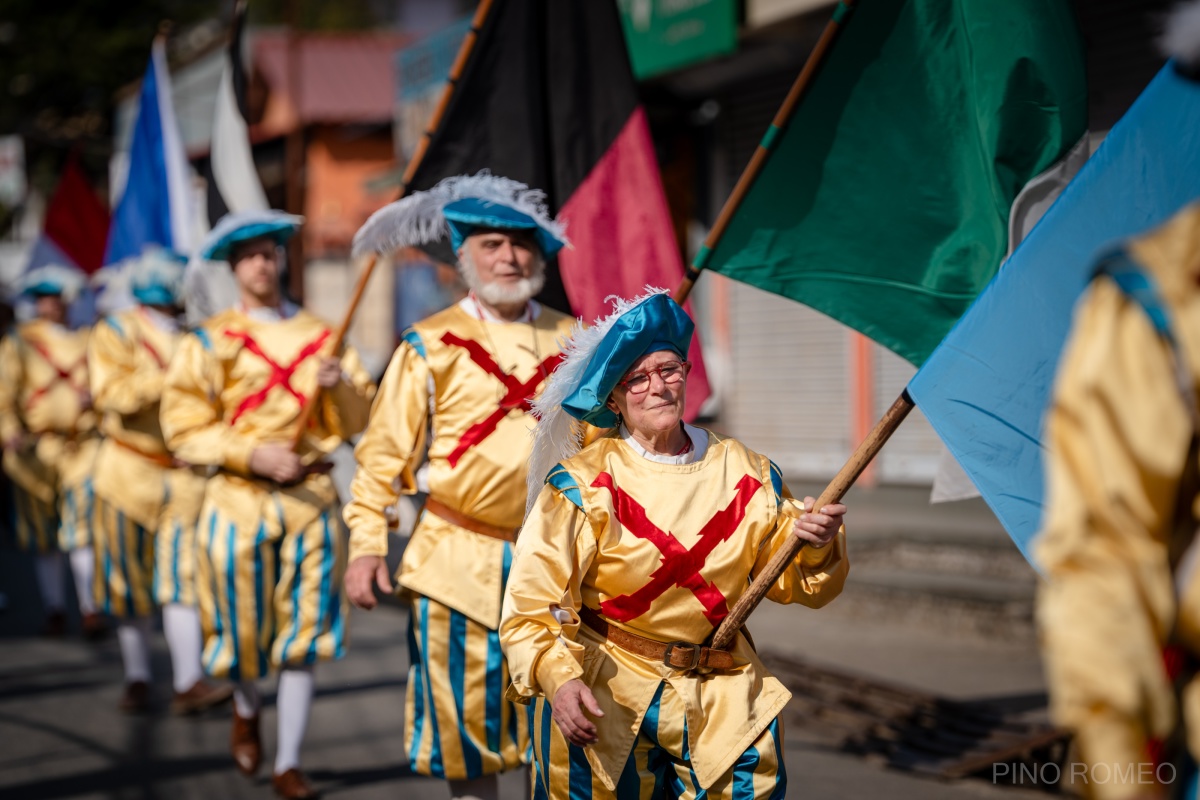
x=435 y=121
x=765 y=147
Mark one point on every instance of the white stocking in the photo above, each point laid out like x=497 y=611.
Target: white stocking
x=246 y=699
x=134 y=638
x=181 y=626
x=83 y=568
x=50 y=581
x=293 y=703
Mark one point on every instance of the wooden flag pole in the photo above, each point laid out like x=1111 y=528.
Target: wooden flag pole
x=764 y=149
x=833 y=493
x=460 y=61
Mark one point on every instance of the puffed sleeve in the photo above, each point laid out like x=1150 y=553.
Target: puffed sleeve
x=542 y=599
x=344 y=408
x=816 y=576
x=1117 y=433
x=391 y=441
x=117 y=384
x=11 y=378
x=191 y=414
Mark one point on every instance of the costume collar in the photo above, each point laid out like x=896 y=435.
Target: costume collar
x=476 y=309
x=696 y=453
x=167 y=323
x=285 y=310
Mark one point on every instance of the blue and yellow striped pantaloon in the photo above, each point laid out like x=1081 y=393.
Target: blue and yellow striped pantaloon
x=37 y=522
x=76 y=509
x=124 y=579
x=175 y=562
x=63 y=525
x=268 y=601
x=659 y=765
x=458 y=724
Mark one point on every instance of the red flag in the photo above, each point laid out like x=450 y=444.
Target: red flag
x=76 y=221
x=547 y=97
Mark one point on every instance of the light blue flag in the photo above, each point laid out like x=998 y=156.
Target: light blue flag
x=155 y=206
x=987 y=385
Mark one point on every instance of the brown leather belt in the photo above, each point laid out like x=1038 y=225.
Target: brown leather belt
x=161 y=459
x=454 y=517
x=676 y=655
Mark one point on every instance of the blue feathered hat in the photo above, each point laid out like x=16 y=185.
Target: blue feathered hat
x=52 y=279
x=156 y=279
x=457 y=207
x=242 y=226
x=594 y=360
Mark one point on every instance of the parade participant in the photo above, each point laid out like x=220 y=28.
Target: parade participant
x=270 y=556
x=633 y=551
x=470 y=373
x=1119 y=610
x=128 y=356
x=47 y=429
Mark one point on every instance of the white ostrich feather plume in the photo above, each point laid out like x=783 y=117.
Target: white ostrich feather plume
x=558 y=435
x=1181 y=34
x=154 y=267
x=417 y=219
x=157 y=268
x=69 y=278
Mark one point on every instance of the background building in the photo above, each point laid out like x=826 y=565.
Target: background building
x=786 y=379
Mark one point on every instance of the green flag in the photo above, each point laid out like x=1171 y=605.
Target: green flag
x=885 y=203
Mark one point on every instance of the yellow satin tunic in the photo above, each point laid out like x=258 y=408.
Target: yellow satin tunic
x=1117 y=435
x=43 y=371
x=128 y=357
x=237 y=384
x=662 y=550
x=466 y=378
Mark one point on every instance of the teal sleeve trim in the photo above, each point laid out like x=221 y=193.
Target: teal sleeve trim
x=115 y=325
x=202 y=335
x=414 y=339
x=777 y=482
x=560 y=479
x=1141 y=288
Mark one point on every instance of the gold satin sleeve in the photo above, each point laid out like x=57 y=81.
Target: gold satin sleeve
x=191 y=415
x=10 y=382
x=392 y=440
x=553 y=553
x=817 y=575
x=1117 y=435
x=117 y=385
x=344 y=408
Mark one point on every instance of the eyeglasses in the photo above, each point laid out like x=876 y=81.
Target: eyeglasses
x=671 y=373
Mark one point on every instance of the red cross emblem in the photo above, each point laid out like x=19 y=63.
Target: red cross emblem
x=680 y=566
x=158 y=359
x=281 y=374
x=60 y=375
x=517 y=394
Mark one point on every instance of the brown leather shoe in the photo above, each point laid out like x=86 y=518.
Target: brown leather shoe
x=245 y=745
x=200 y=697
x=56 y=625
x=293 y=785
x=93 y=627
x=136 y=698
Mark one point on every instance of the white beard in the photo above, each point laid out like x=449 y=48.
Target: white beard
x=495 y=294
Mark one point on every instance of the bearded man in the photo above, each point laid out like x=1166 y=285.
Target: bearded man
x=469 y=373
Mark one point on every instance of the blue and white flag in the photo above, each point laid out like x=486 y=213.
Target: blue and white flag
x=986 y=387
x=155 y=207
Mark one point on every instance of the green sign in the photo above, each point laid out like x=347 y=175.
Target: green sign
x=663 y=35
